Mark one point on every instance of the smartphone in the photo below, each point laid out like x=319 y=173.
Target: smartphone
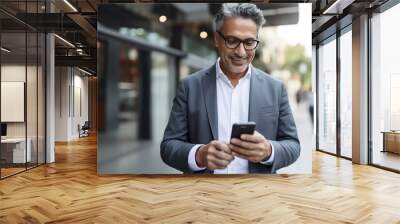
x=242 y=128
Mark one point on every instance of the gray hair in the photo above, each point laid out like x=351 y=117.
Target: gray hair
x=244 y=10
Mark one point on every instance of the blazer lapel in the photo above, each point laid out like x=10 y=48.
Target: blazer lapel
x=255 y=95
x=209 y=86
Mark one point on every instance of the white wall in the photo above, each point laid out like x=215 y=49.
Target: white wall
x=80 y=100
x=62 y=81
x=13 y=73
x=70 y=83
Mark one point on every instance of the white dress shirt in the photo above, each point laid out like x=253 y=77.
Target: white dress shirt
x=233 y=107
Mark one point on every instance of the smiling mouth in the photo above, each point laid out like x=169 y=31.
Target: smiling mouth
x=239 y=61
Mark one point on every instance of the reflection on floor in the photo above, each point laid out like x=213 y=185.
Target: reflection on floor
x=10 y=171
x=387 y=159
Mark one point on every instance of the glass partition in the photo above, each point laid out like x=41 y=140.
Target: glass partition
x=327 y=96
x=22 y=88
x=385 y=89
x=14 y=153
x=346 y=93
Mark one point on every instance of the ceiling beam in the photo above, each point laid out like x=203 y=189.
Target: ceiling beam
x=337 y=7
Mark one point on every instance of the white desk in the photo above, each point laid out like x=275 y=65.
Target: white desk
x=18 y=149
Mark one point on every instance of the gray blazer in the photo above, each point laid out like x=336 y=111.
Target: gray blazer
x=194 y=120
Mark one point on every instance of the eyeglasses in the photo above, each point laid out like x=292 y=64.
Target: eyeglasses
x=232 y=42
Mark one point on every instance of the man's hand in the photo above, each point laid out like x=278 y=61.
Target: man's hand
x=254 y=148
x=214 y=155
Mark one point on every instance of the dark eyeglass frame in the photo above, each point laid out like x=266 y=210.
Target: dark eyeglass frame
x=240 y=41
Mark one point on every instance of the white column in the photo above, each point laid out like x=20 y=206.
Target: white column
x=63 y=99
x=50 y=92
x=360 y=90
x=50 y=99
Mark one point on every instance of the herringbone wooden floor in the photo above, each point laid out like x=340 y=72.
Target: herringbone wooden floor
x=70 y=191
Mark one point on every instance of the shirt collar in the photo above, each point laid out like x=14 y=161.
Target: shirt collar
x=221 y=74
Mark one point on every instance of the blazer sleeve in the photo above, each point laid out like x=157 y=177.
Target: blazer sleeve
x=175 y=147
x=286 y=145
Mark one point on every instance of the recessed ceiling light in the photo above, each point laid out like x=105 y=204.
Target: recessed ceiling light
x=65 y=41
x=337 y=7
x=5 y=50
x=84 y=71
x=70 y=5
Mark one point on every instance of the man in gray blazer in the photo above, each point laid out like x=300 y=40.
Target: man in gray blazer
x=208 y=102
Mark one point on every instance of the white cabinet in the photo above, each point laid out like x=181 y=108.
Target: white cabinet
x=18 y=149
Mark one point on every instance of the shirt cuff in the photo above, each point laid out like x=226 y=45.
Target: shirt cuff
x=271 y=157
x=192 y=159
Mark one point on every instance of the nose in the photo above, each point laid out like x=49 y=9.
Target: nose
x=240 y=50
